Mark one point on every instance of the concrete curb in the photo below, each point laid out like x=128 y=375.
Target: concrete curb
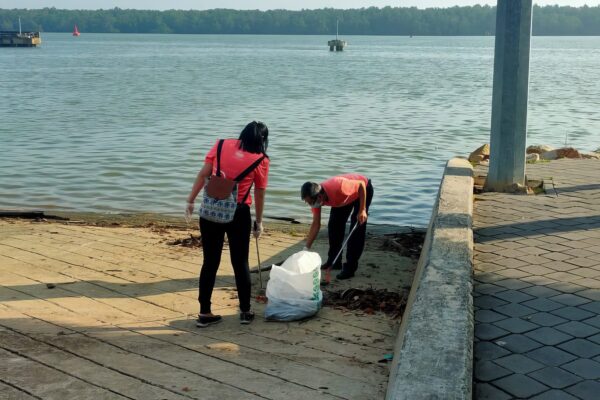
x=433 y=355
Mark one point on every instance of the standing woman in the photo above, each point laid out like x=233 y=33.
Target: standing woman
x=232 y=159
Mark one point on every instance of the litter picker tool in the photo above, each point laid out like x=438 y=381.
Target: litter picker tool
x=328 y=271
x=259 y=264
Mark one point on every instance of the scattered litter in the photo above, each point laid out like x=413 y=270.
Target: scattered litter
x=192 y=241
x=386 y=358
x=407 y=244
x=368 y=300
x=261 y=299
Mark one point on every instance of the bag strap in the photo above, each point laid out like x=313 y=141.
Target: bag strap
x=219 y=148
x=247 y=194
x=249 y=169
x=246 y=172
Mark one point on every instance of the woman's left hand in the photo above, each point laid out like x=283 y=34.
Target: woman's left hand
x=362 y=217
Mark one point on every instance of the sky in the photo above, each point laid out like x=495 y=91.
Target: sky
x=259 y=4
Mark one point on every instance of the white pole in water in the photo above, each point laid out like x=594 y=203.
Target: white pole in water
x=19 y=25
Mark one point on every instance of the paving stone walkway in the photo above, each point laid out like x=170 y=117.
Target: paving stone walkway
x=537 y=287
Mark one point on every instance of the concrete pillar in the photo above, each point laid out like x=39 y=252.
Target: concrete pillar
x=509 y=99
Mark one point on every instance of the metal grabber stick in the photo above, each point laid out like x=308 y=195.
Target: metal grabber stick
x=328 y=272
x=259 y=264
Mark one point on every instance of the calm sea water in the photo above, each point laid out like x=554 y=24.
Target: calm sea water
x=121 y=123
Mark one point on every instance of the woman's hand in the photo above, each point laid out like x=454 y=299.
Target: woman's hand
x=257 y=229
x=189 y=211
x=362 y=217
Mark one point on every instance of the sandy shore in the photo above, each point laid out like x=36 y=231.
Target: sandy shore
x=104 y=308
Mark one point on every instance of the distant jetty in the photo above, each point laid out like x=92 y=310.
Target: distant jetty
x=337 y=44
x=19 y=39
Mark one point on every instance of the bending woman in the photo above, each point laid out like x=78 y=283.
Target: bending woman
x=235 y=157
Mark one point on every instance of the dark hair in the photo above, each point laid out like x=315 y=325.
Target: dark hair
x=309 y=189
x=254 y=138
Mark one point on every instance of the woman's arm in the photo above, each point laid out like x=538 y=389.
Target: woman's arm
x=259 y=204
x=203 y=174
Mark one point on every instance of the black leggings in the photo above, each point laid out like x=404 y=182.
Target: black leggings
x=213 y=236
x=336 y=227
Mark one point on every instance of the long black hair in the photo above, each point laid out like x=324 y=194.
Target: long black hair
x=254 y=138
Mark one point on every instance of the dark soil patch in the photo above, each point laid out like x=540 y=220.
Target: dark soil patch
x=367 y=300
x=408 y=244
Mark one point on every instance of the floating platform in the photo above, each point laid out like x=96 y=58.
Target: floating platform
x=20 y=39
x=337 y=44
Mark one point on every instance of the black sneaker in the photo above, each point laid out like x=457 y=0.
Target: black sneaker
x=204 y=321
x=344 y=275
x=246 y=317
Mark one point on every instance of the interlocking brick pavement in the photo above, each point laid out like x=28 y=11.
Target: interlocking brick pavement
x=537 y=287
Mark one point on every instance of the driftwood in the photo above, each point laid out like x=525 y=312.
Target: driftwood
x=287 y=219
x=28 y=215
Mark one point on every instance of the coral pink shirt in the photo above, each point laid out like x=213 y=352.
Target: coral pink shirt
x=234 y=161
x=342 y=190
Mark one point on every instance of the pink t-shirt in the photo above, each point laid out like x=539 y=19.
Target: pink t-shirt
x=342 y=190
x=234 y=161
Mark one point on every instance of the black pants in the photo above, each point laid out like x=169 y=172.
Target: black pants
x=213 y=236
x=336 y=227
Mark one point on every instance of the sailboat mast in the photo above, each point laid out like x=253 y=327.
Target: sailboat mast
x=337 y=25
x=20 y=25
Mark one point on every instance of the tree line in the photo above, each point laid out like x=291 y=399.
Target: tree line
x=470 y=20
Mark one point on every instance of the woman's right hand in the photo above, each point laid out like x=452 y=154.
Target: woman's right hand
x=189 y=212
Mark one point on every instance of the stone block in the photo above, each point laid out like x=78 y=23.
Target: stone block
x=543 y=304
x=518 y=343
x=572 y=313
x=582 y=348
x=570 y=299
x=486 y=371
x=546 y=319
x=515 y=310
x=548 y=336
x=551 y=356
x=587 y=369
x=555 y=377
x=520 y=386
x=489 y=392
x=586 y=390
x=489 y=332
x=516 y=325
x=513 y=296
x=577 y=329
x=519 y=363
x=489 y=351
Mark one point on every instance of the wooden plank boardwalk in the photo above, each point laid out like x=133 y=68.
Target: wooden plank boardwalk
x=108 y=313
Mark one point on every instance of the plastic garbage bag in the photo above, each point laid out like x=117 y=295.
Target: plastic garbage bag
x=293 y=289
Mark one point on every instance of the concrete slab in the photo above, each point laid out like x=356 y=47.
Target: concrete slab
x=108 y=313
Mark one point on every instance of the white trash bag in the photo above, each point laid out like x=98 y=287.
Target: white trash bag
x=294 y=290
